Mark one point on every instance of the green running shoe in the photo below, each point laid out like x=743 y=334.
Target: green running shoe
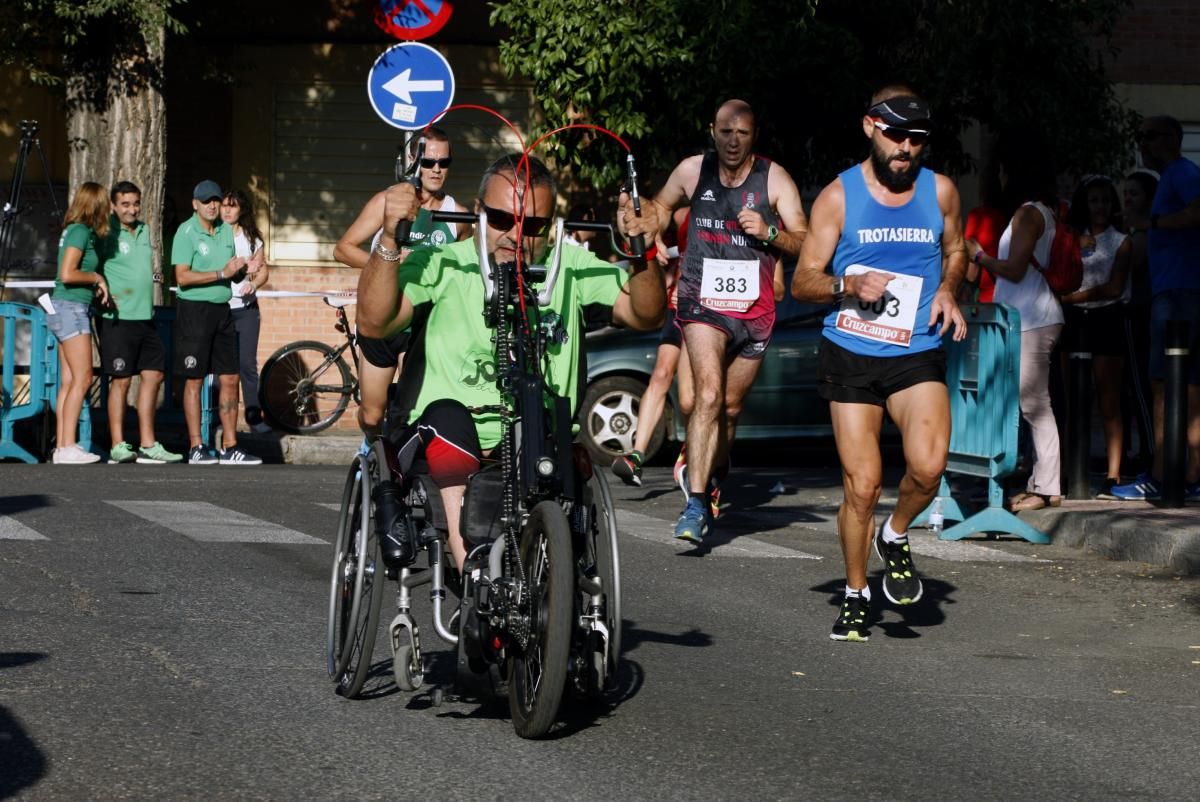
x=157 y=455
x=122 y=452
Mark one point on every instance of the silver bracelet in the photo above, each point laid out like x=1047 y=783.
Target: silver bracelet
x=387 y=254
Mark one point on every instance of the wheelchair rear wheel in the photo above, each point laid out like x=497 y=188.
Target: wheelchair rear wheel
x=537 y=673
x=356 y=585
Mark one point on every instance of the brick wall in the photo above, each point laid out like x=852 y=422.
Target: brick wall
x=1159 y=43
x=285 y=320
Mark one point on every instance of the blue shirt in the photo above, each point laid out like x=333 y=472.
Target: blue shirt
x=1175 y=254
x=894 y=239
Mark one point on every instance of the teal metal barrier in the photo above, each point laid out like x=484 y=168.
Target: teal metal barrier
x=41 y=389
x=983 y=376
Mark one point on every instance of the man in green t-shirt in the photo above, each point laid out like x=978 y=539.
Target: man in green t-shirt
x=431 y=168
x=451 y=362
x=205 y=337
x=129 y=342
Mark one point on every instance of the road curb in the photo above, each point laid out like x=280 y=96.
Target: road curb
x=1130 y=531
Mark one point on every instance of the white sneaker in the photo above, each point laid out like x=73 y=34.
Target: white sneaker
x=74 y=455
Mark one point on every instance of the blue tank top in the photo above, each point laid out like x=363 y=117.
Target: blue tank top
x=904 y=240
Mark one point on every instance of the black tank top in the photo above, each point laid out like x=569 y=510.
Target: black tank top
x=714 y=234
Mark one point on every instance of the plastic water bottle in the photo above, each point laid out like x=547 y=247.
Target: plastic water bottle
x=935 y=516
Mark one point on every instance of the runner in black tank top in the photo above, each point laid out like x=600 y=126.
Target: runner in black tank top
x=745 y=212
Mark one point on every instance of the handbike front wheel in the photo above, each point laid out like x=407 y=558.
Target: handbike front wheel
x=356 y=585
x=607 y=559
x=537 y=673
x=305 y=387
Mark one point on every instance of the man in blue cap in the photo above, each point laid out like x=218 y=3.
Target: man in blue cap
x=205 y=337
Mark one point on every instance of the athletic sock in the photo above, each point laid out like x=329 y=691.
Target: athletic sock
x=891 y=535
x=865 y=592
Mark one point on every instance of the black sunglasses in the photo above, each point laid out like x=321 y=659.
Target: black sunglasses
x=429 y=163
x=896 y=134
x=504 y=221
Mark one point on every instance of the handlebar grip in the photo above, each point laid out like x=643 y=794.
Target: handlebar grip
x=637 y=247
x=403 y=229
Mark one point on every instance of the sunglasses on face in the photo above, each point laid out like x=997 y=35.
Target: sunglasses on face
x=429 y=164
x=504 y=221
x=896 y=134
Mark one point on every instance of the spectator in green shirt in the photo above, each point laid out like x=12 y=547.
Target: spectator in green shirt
x=85 y=223
x=205 y=338
x=129 y=341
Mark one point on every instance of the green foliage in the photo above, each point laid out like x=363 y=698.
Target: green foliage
x=653 y=71
x=101 y=41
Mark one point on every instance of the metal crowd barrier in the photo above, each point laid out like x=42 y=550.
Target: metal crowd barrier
x=983 y=375
x=40 y=392
x=21 y=323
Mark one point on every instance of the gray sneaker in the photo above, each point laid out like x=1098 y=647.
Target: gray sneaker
x=234 y=455
x=200 y=455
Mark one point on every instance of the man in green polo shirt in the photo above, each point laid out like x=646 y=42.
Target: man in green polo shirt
x=129 y=342
x=205 y=337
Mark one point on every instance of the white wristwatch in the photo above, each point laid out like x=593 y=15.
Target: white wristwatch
x=839 y=288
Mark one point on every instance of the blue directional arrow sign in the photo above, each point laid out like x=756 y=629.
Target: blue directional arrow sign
x=410 y=85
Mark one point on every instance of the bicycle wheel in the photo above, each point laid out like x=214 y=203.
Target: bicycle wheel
x=305 y=387
x=538 y=673
x=607 y=556
x=356 y=586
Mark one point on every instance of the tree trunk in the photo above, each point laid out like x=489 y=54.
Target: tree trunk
x=117 y=131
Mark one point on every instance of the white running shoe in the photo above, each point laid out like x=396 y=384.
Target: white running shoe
x=74 y=455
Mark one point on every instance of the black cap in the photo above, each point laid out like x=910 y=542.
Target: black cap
x=903 y=111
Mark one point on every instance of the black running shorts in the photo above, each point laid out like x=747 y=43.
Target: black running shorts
x=205 y=339
x=130 y=346
x=851 y=378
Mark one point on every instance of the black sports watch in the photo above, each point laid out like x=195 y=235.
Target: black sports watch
x=839 y=288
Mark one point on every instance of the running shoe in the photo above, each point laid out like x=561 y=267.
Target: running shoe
x=692 y=525
x=851 y=623
x=74 y=455
x=1143 y=488
x=157 y=455
x=629 y=468
x=1105 y=491
x=200 y=455
x=364 y=448
x=234 y=455
x=122 y=452
x=901 y=583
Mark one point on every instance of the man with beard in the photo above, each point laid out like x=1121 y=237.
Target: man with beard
x=892 y=230
x=726 y=290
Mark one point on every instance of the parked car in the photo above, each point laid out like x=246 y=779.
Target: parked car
x=782 y=403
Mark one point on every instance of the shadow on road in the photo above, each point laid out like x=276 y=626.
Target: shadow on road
x=22 y=764
x=11 y=505
x=928 y=612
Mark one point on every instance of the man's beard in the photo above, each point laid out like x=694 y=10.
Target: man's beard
x=895 y=181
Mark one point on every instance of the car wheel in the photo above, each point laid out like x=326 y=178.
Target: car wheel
x=609 y=419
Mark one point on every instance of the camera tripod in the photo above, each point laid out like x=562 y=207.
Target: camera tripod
x=12 y=208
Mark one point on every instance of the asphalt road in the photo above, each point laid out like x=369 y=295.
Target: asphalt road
x=162 y=635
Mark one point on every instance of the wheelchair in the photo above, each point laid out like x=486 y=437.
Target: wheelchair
x=539 y=599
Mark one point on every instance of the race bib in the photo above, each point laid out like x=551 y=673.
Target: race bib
x=729 y=285
x=888 y=320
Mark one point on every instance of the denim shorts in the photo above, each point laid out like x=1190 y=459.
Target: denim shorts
x=70 y=319
x=1174 y=305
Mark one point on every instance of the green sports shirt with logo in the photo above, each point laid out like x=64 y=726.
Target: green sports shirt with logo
x=453 y=356
x=204 y=253
x=76 y=235
x=129 y=270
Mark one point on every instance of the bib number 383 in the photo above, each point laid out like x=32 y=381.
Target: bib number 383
x=729 y=285
x=891 y=318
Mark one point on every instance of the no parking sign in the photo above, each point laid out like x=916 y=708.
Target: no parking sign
x=410 y=85
x=412 y=20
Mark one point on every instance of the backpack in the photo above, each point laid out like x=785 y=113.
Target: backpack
x=1064 y=274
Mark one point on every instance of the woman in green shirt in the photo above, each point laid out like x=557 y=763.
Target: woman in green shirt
x=86 y=223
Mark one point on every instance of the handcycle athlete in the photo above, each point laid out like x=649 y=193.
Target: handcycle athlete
x=516 y=605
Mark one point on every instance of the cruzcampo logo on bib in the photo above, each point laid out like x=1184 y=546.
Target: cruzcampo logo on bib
x=888 y=320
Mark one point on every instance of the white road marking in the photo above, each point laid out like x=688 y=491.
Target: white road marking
x=335 y=507
x=656 y=530
x=209 y=523
x=926 y=545
x=12 y=529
